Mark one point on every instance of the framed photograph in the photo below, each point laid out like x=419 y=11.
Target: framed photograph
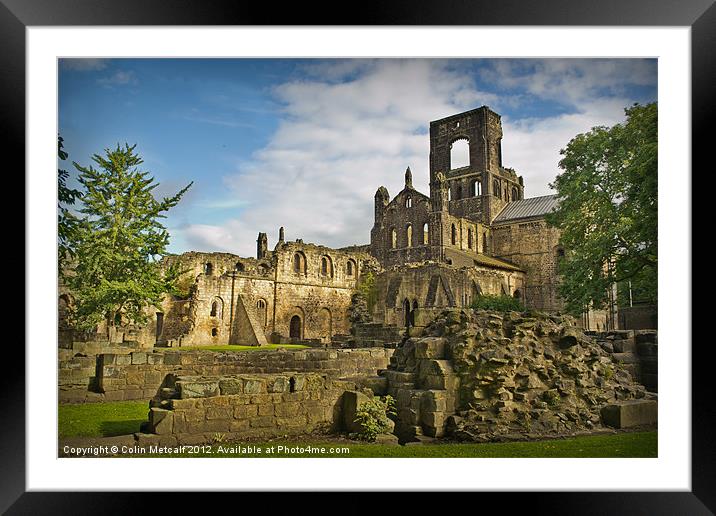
x=425 y=236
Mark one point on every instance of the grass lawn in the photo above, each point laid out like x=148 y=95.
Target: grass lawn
x=118 y=418
x=101 y=419
x=239 y=348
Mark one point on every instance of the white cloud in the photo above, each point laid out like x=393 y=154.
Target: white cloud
x=348 y=128
x=83 y=64
x=118 y=78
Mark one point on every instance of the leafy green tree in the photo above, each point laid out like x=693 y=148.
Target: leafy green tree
x=118 y=242
x=66 y=222
x=608 y=210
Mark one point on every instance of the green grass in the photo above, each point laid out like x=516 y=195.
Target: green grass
x=101 y=419
x=622 y=445
x=239 y=348
x=124 y=417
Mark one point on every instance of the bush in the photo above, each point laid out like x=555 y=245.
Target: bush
x=372 y=416
x=497 y=303
x=367 y=288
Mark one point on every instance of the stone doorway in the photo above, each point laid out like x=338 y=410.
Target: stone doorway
x=294 y=331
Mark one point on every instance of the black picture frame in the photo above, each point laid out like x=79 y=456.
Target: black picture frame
x=699 y=15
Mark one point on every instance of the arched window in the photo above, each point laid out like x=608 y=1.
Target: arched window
x=426 y=234
x=485 y=247
x=449 y=192
x=496 y=191
x=350 y=267
x=393 y=238
x=459 y=192
x=215 y=332
x=409 y=232
x=475 y=188
x=240 y=267
x=469 y=238
x=453 y=236
x=517 y=294
x=299 y=263
x=459 y=154
x=409 y=202
x=208 y=269
x=515 y=194
x=214 y=309
x=326 y=266
x=261 y=311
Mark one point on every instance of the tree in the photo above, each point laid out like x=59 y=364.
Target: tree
x=66 y=222
x=607 y=211
x=118 y=241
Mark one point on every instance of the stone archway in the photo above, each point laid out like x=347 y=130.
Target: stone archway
x=294 y=331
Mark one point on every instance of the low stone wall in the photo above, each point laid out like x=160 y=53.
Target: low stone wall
x=137 y=375
x=636 y=350
x=194 y=409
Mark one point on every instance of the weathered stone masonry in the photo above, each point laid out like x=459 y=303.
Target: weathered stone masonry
x=138 y=375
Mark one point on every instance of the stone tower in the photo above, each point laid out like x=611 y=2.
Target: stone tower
x=261 y=246
x=481 y=189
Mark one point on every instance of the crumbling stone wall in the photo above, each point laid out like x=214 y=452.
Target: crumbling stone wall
x=436 y=285
x=510 y=375
x=137 y=375
x=534 y=246
x=245 y=406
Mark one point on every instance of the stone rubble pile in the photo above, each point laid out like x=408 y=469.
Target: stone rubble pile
x=524 y=375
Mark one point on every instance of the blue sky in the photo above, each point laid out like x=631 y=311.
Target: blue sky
x=305 y=143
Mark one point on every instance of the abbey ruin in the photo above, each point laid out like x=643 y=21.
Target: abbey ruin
x=428 y=258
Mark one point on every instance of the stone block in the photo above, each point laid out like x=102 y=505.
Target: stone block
x=351 y=402
x=377 y=384
x=161 y=421
x=287 y=409
x=246 y=411
x=626 y=414
x=624 y=346
x=123 y=359
x=278 y=384
x=155 y=358
x=434 y=419
x=197 y=388
x=646 y=336
x=139 y=358
x=433 y=401
x=430 y=348
x=647 y=349
x=220 y=412
x=265 y=409
x=172 y=358
x=387 y=439
x=239 y=425
x=435 y=367
x=231 y=386
x=254 y=386
x=262 y=422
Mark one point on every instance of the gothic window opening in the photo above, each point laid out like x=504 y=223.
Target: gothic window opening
x=409 y=231
x=350 y=267
x=459 y=154
x=409 y=202
x=469 y=238
x=515 y=194
x=213 y=309
x=453 y=236
x=208 y=268
x=426 y=234
x=393 y=239
x=240 y=267
x=459 y=192
x=299 y=263
x=485 y=247
x=214 y=332
x=326 y=267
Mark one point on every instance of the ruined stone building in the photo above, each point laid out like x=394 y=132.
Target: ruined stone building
x=473 y=233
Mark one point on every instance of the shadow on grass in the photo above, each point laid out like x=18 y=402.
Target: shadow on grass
x=112 y=428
